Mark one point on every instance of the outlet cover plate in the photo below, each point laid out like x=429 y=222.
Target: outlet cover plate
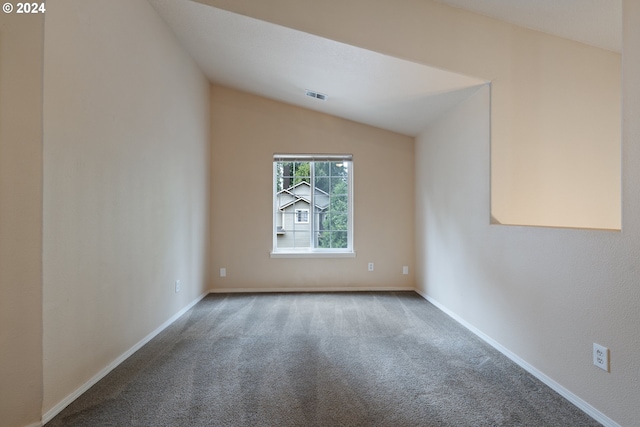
x=601 y=357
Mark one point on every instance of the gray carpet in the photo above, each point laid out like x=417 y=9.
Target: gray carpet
x=319 y=359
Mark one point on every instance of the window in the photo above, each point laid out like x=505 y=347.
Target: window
x=302 y=216
x=312 y=204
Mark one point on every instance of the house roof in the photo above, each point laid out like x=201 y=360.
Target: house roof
x=302 y=183
x=302 y=198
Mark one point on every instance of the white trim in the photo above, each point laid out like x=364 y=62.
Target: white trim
x=301 y=211
x=281 y=157
x=313 y=236
x=311 y=254
x=311 y=289
x=51 y=413
x=580 y=403
x=571 y=397
x=313 y=216
x=351 y=216
x=275 y=207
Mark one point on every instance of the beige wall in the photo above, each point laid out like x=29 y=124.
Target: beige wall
x=555 y=103
x=562 y=290
x=561 y=164
x=112 y=248
x=126 y=184
x=21 y=53
x=543 y=295
x=246 y=131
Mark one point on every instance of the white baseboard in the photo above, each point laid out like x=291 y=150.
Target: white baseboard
x=311 y=289
x=50 y=414
x=571 y=397
x=580 y=403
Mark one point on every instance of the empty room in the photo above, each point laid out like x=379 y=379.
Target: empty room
x=294 y=212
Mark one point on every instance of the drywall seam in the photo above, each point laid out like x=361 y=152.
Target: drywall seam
x=50 y=414
x=567 y=394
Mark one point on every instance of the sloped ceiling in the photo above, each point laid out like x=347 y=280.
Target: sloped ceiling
x=281 y=63
x=401 y=96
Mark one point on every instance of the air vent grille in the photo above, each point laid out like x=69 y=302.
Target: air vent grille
x=317 y=95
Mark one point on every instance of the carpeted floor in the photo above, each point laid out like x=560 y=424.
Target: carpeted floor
x=319 y=359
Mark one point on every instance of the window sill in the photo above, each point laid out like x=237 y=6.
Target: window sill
x=299 y=254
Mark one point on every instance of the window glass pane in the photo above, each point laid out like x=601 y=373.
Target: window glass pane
x=301 y=172
x=284 y=177
x=322 y=183
x=324 y=239
x=311 y=217
x=339 y=186
x=339 y=239
x=302 y=216
x=338 y=168
x=323 y=169
x=340 y=204
x=302 y=239
x=294 y=234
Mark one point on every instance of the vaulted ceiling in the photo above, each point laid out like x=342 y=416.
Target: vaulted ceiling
x=282 y=63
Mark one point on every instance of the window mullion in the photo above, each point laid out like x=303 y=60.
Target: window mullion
x=274 y=230
x=312 y=205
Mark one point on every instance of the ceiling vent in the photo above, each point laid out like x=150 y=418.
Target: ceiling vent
x=320 y=96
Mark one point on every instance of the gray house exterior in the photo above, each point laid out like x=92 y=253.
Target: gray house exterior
x=293 y=215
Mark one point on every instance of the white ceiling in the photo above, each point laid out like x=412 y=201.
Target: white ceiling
x=281 y=63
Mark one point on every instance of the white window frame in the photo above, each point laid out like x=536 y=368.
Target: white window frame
x=301 y=212
x=313 y=252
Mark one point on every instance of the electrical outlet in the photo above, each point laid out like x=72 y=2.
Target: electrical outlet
x=178 y=286
x=223 y=272
x=601 y=357
x=405 y=269
x=370 y=266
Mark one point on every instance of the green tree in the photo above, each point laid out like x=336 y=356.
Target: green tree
x=289 y=174
x=301 y=173
x=335 y=222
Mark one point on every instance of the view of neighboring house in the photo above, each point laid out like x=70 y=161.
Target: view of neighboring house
x=293 y=222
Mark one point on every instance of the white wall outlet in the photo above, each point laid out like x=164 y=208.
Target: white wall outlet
x=178 y=286
x=601 y=357
x=370 y=266
x=223 y=272
x=405 y=269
